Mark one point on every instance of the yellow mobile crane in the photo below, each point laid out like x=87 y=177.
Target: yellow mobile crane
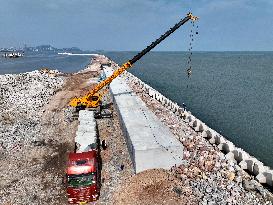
x=93 y=98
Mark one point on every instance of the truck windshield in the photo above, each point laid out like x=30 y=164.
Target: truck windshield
x=81 y=180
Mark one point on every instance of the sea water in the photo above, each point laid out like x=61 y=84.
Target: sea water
x=36 y=61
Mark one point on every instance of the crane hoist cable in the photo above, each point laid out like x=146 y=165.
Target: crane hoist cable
x=193 y=32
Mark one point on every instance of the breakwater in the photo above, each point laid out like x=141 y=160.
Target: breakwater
x=263 y=174
x=33 y=166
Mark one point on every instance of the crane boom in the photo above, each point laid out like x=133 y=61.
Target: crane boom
x=88 y=97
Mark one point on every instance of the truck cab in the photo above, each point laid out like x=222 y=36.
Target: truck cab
x=82 y=176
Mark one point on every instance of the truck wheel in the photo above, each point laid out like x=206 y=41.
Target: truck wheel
x=103 y=145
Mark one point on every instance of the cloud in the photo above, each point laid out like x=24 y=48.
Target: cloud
x=132 y=24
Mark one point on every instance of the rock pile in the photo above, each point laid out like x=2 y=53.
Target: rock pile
x=22 y=96
x=22 y=100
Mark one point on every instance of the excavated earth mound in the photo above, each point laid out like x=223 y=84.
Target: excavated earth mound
x=155 y=186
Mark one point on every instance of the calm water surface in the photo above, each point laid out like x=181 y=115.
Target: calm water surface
x=232 y=92
x=34 y=61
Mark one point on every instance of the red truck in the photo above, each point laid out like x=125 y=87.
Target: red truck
x=82 y=176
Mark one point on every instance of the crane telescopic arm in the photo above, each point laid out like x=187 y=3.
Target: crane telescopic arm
x=129 y=63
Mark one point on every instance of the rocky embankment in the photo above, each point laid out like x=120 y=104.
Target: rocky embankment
x=22 y=99
x=36 y=134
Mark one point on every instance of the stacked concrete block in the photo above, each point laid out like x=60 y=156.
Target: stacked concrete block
x=150 y=143
x=86 y=135
x=259 y=168
x=232 y=155
x=269 y=177
x=189 y=118
x=248 y=164
x=265 y=177
x=195 y=123
x=200 y=126
x=214 y=137
x=261 y=177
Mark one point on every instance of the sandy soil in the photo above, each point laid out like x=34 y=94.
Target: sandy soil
x=116 y=162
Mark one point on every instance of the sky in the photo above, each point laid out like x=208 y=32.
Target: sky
x=130 y=25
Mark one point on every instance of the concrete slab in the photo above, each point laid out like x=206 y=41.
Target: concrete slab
x=86 y=135
x=150 y=142
x=87 y=128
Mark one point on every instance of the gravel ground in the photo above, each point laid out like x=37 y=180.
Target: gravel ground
x=206 y=174
x=23 y=145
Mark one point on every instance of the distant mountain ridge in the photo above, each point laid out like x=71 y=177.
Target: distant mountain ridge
x=42 y=48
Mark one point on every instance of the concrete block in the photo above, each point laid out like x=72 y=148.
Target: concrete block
x=242 y=155
x=189 y=118
x=192 y=122
x=221 y=140
x=259 y=168
x=158 y=97
x=146 y=88
x=243 y=164
x=163 y=101
x=150 y=143
x=248 y=164
x=199 y=126
x=151 y=92
x=226 y=146
x=86 y=113
x=88 y=123
x=230 y=156
x=84 y=128
x=214 y=137
x=261 y=178
x=207 y=133
x=180 y=110
x=84 y=139
x=174 y=109
x=161 y=98
x=269 y=177
x=86 y=117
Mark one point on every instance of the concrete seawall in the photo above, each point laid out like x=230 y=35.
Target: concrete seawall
x=150 y=143
x=262 y=173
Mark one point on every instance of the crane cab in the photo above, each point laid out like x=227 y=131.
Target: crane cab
x=93 y=101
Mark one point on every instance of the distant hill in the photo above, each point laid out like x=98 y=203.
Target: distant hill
x=42 y=48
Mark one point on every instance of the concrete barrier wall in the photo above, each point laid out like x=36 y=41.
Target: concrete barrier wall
x=150 y=143
x=263 y=174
